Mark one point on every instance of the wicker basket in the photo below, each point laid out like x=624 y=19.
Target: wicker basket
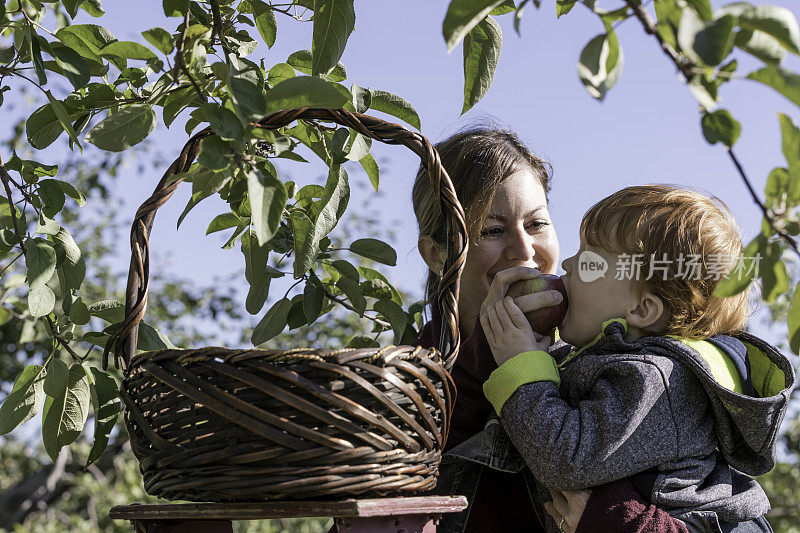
x=219 y=424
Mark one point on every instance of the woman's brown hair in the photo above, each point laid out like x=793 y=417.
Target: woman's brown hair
x=478 y=161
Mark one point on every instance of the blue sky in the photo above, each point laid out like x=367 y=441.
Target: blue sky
x=647 y=130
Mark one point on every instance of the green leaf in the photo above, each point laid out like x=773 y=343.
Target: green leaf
x=372 y=170
x=175 y=8
x=600 y=64
x=564 y=6
x=784 y=81
x=272 y=323
x=43 y=127
x=151 y=339
x=361 y=98
x=790 y=141
x=334 y=21
x=41 y=300
x=126 y=128
x=63 y=118
x=302 y=60
x=223 y=222
x=333 y=204
x=70 y=259
x=462 y=16
x=395 y=315
x=88 y=40
x=265 y=21
x=362 y=341
x=745 y=270
x=215 y=154
x=313 y=298
x=109 y=310
x=52 y=196
x=40 y=259
x=79 y=312
x=306 y=91
x=305 y=248
x=47 y=226
x=794 y=322
x=66 y=408
x=774 y=276
x=508 y=6
x=352 y=290
x=376 y=288
x=720 y=126
x=256 y=272
x=72 y=64
x=246 y=87
x=224 y=122
x=35 y=51
x=127 y=50
x=280 y=72
x=346 y=269
x=706 y=42
x=71 y=6
x=93 y=8
x=391 y=104
x=105 y=403
x=376 y=250
x=761 y=45
x=778 y=22
x=176 y=102
x=370 y=274
x=161 y=39
x=481 y=54
x=267 y=200
x=23 y=402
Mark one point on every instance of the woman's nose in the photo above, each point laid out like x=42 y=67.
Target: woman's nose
x=521 y=247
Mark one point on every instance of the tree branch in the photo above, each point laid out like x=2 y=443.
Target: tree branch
x=180 y=64
x=687 y=67
x=6 y=178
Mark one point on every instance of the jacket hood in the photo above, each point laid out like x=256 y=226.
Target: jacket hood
x=748 y=382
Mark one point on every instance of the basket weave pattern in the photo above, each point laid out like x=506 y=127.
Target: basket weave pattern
x=221 y=424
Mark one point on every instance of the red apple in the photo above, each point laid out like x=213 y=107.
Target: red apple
x=545 y=319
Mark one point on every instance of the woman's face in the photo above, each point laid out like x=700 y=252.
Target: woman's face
x=517 y=232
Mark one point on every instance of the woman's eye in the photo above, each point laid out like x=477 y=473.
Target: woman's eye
x=492 y=232
x=537 y=224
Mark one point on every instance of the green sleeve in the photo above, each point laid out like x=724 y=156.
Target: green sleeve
x=517 y=371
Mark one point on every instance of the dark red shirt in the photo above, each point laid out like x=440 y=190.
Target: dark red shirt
x=502 y=502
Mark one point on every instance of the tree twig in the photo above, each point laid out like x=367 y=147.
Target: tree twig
x=346 y=305
x=180 y=64
x=688 y=68
x=788 y=238
x=5 y=177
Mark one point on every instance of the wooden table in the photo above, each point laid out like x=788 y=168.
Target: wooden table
x=379 y=515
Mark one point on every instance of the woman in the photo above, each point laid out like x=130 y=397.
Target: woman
x=503 y=188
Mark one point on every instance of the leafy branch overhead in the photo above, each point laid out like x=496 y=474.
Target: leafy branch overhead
x=97 y=92
x=703 y=45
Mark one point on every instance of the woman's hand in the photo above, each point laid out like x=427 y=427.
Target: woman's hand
x=567 y=508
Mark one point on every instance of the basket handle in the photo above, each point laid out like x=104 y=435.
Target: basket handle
x=124 y=339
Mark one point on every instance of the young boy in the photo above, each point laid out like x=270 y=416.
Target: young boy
x=660 y=384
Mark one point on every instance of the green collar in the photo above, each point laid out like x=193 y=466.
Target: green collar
x=594 y=341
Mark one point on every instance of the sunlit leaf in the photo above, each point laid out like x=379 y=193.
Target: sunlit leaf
x=482 y=47
x=334 y=21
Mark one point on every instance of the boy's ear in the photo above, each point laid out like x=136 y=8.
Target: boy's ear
x=649 y=314
x=431 y=253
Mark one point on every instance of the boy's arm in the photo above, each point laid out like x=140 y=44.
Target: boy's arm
x=623 y=426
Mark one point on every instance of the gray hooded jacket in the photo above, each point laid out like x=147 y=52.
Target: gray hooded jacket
x=658 y=409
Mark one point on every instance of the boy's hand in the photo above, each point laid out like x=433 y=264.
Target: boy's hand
x=509 y=332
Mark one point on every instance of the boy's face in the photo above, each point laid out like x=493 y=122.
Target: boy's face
x=595 y=295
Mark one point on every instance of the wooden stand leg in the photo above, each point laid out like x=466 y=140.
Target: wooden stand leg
x=182 y=526
x=381 y=524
